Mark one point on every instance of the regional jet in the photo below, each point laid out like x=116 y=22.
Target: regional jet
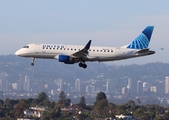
x=70 y=54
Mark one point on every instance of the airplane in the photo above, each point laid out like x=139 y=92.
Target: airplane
x=70 y=54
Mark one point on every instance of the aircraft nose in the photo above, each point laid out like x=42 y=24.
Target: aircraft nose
x=17 y=53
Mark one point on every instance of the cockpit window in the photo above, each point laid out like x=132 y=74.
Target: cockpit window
x=26 y=47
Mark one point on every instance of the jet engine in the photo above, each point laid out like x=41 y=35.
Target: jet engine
x=64 y=58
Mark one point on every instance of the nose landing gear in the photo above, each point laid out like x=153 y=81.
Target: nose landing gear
x=33 y=59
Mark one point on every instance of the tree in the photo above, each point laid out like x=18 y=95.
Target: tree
x=100 y=106
x=21 y=106
x=62 y=97
x=42 y=96
x=63 y=101
x=100 y=96
x=1 y=102
x=67 y=102
x=82 y=102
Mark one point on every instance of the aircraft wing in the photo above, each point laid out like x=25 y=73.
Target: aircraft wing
x=82 y=53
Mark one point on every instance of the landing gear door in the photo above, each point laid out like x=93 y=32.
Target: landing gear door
x=37 y=48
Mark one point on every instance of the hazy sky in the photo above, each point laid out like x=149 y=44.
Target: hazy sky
x=107 y=23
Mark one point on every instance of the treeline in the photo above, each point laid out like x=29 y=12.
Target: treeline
x=11 y=109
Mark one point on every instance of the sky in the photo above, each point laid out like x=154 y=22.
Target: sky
x=109 y=23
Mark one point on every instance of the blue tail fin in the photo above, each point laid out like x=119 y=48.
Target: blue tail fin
x=142 y=41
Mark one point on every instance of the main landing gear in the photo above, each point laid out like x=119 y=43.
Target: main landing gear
x=33 y=59
x=82 y=65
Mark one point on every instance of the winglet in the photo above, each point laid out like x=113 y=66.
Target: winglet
x=87 y=47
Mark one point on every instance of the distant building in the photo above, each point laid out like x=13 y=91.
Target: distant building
x=130 y=87
x=112 y=86
x=73 y=108
x=77 y=85
x=24 y=119
x=124 y=91
x=27 y=84
x=166 y=84
x=5 y=84
x=107 y=87
x=125 y=117
x=20 y=84
x=153 y=89
x=90 y=89
x=139 y=87
x=14 y=86
x=58 y=83
x=146 y=86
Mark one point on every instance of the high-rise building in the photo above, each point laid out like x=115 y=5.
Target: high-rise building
x=146 y=86
x=124 y=90
x=139 y=87
x=5 y=84
x=129 y=86
x=90 y=89
x=20 y=84
x=27 y=84
x=132 y=86
x=58 y=83
x=77 y=85
x=107 y=87
x=166 y=84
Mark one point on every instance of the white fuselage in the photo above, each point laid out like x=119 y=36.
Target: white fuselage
x=50 y=51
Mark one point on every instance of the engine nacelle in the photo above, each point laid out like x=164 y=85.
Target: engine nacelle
x=64 y=58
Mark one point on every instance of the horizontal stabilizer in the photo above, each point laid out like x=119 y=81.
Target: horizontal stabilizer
x=142 y=51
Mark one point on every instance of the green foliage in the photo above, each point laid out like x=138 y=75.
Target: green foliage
x=100 y=106
x=100 y=96
x=82 y=103
x=1 y=102
x=12 y=109
x=42 y=96
x=63 y=101
x=53 y=113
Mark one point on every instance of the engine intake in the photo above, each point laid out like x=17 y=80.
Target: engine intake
x=64 y=58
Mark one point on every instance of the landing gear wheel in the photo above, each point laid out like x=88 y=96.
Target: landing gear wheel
x=82 y=65
x=32 y=64
x=33 y=59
